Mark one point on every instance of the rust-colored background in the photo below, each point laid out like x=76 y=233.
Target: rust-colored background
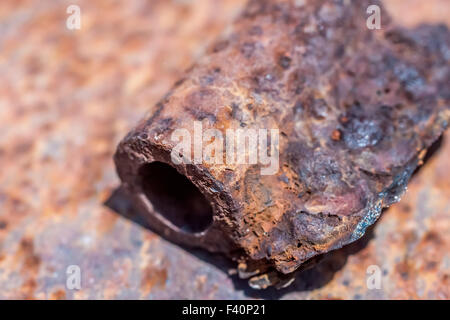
x=68 y=97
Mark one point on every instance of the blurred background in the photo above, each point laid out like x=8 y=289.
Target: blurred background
x=66 y=99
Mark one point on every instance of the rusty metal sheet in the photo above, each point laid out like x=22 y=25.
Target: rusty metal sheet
x=68 y=96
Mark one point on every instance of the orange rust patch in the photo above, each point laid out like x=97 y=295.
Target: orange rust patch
x=153 y=277
x=336 y=135
x=404 y=269
x=28 y=288
x=107 y=221
x=59 y=294
x=30 y=267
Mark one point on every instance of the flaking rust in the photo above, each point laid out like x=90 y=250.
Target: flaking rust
x=356 y=109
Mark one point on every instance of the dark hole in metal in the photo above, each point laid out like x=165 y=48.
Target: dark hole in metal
x=175 y=197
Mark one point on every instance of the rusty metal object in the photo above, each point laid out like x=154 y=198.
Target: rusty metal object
x=357 y=110
x=66 y=100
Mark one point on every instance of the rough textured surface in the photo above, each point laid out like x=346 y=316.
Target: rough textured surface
x=356 y=108
x=67 y=97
